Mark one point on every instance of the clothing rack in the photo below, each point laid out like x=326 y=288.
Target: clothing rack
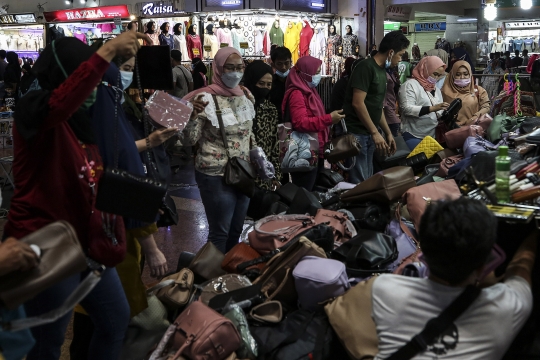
x=325 y=91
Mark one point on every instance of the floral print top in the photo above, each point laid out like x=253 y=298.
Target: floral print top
x=265 y=129
x=238 y=114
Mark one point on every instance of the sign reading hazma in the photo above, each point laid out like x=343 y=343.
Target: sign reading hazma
x=150 y=9
x=439 y=26
x=97 y=13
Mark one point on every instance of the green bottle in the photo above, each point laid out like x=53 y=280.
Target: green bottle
x=502 y=175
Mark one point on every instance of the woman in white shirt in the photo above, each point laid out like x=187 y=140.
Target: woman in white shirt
x=420 y=101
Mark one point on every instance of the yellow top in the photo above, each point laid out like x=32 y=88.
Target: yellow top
x=292 y=39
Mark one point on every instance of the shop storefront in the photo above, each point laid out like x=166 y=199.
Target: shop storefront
x=22 y=34
x=87 y=24
x=516 y=35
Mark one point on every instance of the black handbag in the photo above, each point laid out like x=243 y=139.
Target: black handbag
x=170 y=214
x=370 y=216
x=328 y=178
x=238 y=172
x=418 y=162
x=261 y=202
x=368 y=253
x=450 y=114
x=128 y=195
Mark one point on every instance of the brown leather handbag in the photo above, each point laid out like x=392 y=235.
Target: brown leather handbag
x=198 y=333
x=221 y=285
x=61 y=257
x=239 y=173
x=342 y=147
x=385 y=186
x=338 y=221
x=175 y=290
x=240 y=254
x=207 y=262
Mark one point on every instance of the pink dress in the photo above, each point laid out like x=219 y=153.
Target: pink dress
x=224 y=37
x=194 y=46
x=81 y=37
x=305 y=39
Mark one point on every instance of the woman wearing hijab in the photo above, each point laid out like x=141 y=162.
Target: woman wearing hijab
x=151 y=32
x=258 y=80
x=165 y=38
x=420 y=101
x=443 y=55
x=54 y=139
x=307 y=112
x=460 y=84
x=199 y=73
x=458 y=54
x=12 y=75
x=225 y=206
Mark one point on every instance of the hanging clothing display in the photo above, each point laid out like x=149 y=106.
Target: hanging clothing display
x=445 y=45
x=317 y=48
x=292 y=39
x=276 y=34
x=166 y=39
x=518 y=44
x=224 y=37
x=490 y=45
x=181 y=45
x=237 y=38
x=212 y=41
x=79 y=35
x=416 y=52
x=194 y=46
x=262 y=42
x=499 y=47
x=332 y=49
x=305 y=38
x=529 y=45
x=155 y=39
x=482 y=49
x=350 y=42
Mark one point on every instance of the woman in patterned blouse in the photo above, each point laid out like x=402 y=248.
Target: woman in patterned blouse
x=225 y=206
x=258 y=79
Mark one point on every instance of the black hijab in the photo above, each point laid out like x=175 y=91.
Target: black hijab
x=176 y=29
x=149 y=26
x=13 y=70
x=210 y=29
x=198 y=69
x=34 y=107
x=190 y=30
x=253 y=73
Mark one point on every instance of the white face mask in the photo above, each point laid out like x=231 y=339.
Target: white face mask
x=315 y=80
x=232 y=79
x=127 y=78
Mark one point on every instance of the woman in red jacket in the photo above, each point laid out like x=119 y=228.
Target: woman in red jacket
x=56 y=170
x=307 y=112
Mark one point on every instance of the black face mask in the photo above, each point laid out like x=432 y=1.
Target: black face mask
x=260 y=93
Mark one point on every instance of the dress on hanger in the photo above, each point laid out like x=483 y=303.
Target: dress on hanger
x=81 y=37
x=212 y=41
x=194 y=46
x=292 y=40
x=237 y=38
x=276 y=34
x=482 y=49
x=180 y=44
x=528 y=44
x=518 y=44
x=224 y=37
x=349 y=45
x=317 y=48
x=166 y=39
x=262 y=42
x=510 y=44
x=490 y=45
x=305 y=39
x=499 y=47
x=332 y=50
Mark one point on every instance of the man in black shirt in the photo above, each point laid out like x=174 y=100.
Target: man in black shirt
x=282 y=63
x=517 y=60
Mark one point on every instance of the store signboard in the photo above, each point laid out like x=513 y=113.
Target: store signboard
x=223 y=4
x=85 y=14
x=522 y=25
x=395 y=12
x=304 y=5
x=438 y=26
x=391 y=26
x=26 y=18
x=157 y=8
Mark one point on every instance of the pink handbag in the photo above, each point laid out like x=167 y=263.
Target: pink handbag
x=338 y=221
x=456 y=138
x=446 y=164
x=484 y=121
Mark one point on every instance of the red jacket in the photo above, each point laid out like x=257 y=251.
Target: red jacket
x=304 y=120
x=49 y=181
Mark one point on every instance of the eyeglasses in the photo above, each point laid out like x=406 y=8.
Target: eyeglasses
x=240 y=68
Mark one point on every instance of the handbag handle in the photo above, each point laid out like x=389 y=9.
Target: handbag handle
x=221 y=126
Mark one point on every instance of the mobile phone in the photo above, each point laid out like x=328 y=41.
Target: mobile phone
x=155 y=69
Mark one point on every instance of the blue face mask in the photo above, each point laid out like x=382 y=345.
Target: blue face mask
x=282 y=75
x=388 y=63
x=127 y=79
x=315 y=80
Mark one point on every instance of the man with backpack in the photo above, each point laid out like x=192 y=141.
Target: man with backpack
x=182 y=78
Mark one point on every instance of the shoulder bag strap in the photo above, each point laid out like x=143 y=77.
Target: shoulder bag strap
x=436 y=326
x=221 y=126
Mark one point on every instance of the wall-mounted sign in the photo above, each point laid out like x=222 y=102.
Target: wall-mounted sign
x=391 y=26
x=304 y=5
x=224 y=4
x=157 y=8
x=85 y=14
x=27 y=18
x=396 y=12
x=522 y=25
x=438 y=26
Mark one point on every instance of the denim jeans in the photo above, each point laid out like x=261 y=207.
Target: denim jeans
x=106 y=305
x=15 y=345
x=225 y=209
x=411 y=141
x=363 y=169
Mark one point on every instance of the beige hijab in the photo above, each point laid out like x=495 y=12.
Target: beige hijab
x=468 y=95
x=440 y=53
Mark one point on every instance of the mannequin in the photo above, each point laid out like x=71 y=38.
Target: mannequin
x=445 y=45
x=180 y=41
x=490 y=44
x=317 y=47
x=165 y=38
x=416 y=52
x=438 y=43
x=223 y=34
x=350 y=41
x=305 y=38
x=262 y=41
x=237 y=38
x=276 y=34
x=90 y=37
x=333 y=61
x=79 y=35
x=292 y=39
x=151 y=32
x=211 y=40
x=194 y=44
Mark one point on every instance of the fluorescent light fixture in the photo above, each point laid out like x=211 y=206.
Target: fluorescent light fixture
x=526 y=4
x=490 y=12
x=319 y=5
x=467 y=19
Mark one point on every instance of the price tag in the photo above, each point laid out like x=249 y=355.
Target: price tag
x=224 y=45
x=207 y=48
x=196 y=51
x=244 y=45
x=118 y=21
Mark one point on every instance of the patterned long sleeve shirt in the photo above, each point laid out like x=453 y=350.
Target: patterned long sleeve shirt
x=265 y=128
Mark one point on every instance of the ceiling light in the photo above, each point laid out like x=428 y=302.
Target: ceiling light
x=132 y=17
x=69 y=2
x=490 y=12
x=526 y=4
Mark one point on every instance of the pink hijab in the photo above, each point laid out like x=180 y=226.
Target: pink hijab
x=218 y=87
x=298 y=79
x=425 y=68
